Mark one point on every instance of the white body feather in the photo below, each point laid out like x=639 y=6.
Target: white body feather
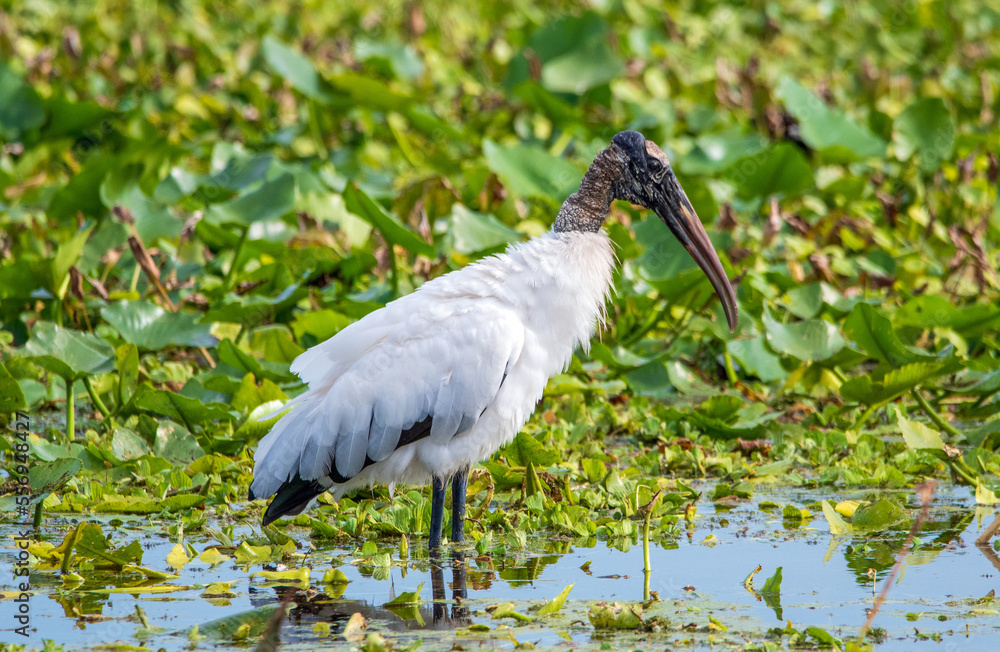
x=442 y=352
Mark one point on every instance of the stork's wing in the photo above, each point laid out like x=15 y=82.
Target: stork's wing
x=426 y=367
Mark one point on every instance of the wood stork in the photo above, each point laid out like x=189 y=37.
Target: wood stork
x=438 y=380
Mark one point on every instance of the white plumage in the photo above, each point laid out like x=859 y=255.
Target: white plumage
x=440 y=379
x=441 y=352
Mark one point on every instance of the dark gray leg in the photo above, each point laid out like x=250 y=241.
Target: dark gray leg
x=437 y=512
x=459 y=485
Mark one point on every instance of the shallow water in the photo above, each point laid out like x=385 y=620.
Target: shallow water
x=825 y=585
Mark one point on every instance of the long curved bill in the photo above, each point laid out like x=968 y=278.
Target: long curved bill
x=676 y=211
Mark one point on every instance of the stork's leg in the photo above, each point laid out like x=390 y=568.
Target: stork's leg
x=437 y=512
x=459 y=485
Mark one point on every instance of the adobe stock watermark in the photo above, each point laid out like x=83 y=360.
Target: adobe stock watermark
x=26 y=530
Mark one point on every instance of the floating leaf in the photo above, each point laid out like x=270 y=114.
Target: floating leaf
x=224 y=629
x=407 y=598
x=985 y=496
x=877 y=517
x=177 y=557
x=771 y=592
x=213 y=557
x=838 y=526
x=334 y=576
x=247 y=554
x=294 y=575
x=615 y=615
x=556 y=603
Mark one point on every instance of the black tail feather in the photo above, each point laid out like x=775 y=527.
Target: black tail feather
x=295 y=494
x=292 y=498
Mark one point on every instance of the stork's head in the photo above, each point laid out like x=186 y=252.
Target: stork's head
x=646 y=179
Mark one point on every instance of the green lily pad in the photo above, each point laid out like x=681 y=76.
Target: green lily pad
x=529 y=171
x=21 y=108
x=918 y=436
x=809 y=340
x=297 y=69
x=175 y=406
x=150 y=327
x=781 y=170
x=67 y=353
x=49 y=476
x=271 y=201
x=827 y=129
x=877 y=516
x=471 y=232
x=360 y=204
x=925 y=128
x=874 y=334
x=11 y=394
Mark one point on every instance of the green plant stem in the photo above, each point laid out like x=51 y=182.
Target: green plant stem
x=70 y=410
x=982 y=399
x=393 y=268
x=646 y=566
x=95 y=398
x=141 y=615
x=730 y=370
x=315 y=132
x=938 y=420
x=867 y=414
x=68 y=555
x=227 y=283
x=37 y=523
x=965 y=474
x=135 y=278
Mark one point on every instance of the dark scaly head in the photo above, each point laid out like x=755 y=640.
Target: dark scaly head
x=636 y=170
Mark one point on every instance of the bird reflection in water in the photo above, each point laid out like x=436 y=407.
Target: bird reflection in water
x=459 y=592
x=317 y=607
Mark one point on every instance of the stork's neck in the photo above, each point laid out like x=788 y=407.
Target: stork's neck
x=586 y=209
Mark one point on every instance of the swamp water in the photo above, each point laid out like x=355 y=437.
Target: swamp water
x=942 y=593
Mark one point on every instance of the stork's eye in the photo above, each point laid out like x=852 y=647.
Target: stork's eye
x=655 y=165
